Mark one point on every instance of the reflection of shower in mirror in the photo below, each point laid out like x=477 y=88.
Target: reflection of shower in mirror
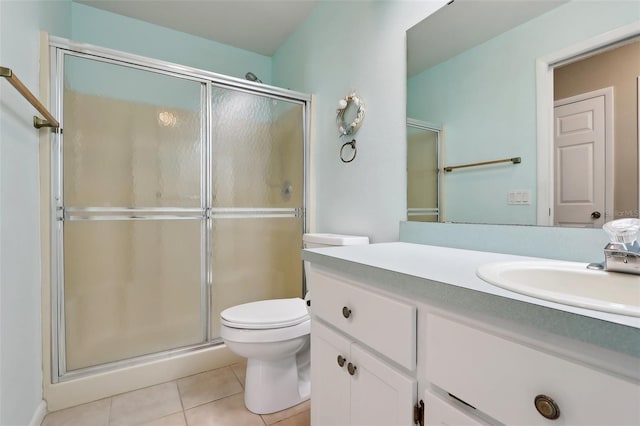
x=424 y=186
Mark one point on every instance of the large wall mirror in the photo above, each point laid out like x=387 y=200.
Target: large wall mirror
x=472 y=71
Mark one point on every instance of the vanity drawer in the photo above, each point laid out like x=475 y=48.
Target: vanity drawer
x=502 y=378
x=439 y=411
x=383 y=323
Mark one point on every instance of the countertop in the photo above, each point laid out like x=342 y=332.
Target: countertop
x=449 y=275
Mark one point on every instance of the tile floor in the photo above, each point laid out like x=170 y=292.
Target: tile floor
x=212 y=398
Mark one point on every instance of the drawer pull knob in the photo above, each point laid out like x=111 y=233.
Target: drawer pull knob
x=351 y=368
x=346 y=312
x=341 y=360
x=547 y=407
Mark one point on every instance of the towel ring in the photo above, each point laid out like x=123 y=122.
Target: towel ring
x=353 y=147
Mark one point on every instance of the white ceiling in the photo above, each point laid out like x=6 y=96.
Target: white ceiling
x=464 y=24
x=259 y=26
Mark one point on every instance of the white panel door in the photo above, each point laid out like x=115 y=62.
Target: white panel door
x=579 y=146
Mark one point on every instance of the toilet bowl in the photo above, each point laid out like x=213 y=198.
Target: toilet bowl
x=274 y=337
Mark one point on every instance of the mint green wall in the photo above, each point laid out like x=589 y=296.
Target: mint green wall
x=485 y=99
x=345 y=46
x=106 y=29
x=573 y=244
x=20 y=317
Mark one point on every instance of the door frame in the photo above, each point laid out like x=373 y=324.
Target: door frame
x=545 y=108
x=607 y=92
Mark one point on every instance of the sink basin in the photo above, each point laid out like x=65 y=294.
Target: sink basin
x=570 y=283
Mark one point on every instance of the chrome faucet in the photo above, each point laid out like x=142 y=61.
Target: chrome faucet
x=621 y=257
x=622 y=254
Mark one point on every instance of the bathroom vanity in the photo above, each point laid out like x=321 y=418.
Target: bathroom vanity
x=408 y=334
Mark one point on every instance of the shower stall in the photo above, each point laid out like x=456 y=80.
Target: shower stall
x=175 y=193
x=424 y=187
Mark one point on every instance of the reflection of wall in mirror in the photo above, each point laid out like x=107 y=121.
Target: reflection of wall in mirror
x=619 y=69
x=486 y=98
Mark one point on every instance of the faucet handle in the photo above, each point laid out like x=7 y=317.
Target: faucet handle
x=618 y=258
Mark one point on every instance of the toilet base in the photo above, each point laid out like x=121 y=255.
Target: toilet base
x=276 y=385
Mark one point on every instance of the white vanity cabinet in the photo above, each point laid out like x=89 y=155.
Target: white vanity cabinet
x=413 y=332
x=359 y=342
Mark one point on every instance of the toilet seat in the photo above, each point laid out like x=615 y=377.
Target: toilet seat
x=265 y=335
x=266 y=314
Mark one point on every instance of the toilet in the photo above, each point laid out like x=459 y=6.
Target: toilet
x=274 y=337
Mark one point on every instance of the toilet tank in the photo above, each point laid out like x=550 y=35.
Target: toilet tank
x=328 y=240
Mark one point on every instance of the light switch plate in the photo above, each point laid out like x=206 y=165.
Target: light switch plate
x=519 y=197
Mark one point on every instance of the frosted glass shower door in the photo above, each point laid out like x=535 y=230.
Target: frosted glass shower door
x=131 y=224
x=258 y=192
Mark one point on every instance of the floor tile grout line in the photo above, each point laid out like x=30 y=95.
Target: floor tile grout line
x=263 y=420
x=109 y=411
x=234 y=373
x=184 y=413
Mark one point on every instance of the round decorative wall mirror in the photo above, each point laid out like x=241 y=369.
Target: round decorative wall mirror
x=350 y=114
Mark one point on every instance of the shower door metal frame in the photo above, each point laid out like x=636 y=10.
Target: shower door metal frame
x=59 y=47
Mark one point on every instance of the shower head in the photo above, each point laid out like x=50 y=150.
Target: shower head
x=252 y=77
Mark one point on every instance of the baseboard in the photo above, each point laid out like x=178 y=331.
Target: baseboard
x=38 y=415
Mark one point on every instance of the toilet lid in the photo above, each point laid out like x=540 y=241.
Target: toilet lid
x=275 y=313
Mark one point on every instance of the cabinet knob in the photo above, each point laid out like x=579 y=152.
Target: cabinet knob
x=346 y=312
x=351 y=369
x=595 y=215
x=341 y=360
x=547 y=407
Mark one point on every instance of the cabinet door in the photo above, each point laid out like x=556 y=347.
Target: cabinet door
x=329 y=381
x=380 y=395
